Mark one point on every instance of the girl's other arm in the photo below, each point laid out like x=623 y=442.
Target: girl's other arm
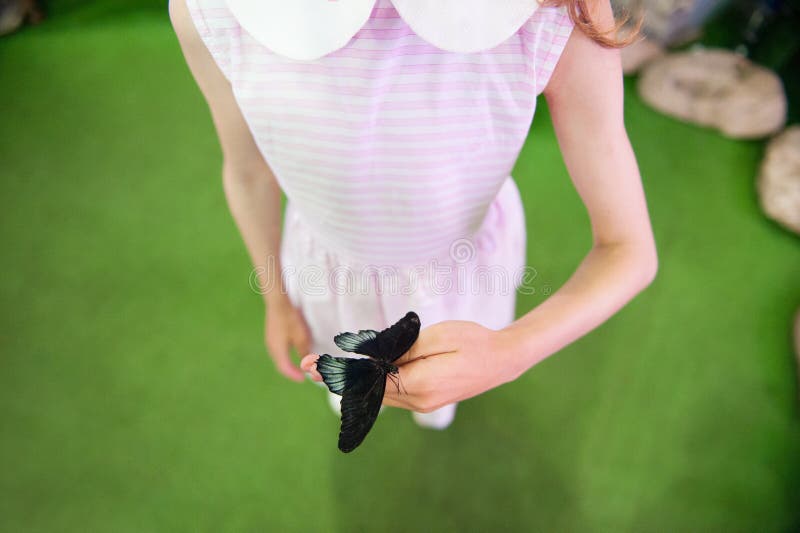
x=585 y=98
x=252 y=193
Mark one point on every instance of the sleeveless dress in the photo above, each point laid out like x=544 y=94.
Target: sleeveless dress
x=392 y=135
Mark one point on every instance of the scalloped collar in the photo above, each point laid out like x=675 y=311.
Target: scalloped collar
x=310 y=29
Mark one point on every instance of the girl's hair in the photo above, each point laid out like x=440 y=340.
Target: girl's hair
x=579 y=12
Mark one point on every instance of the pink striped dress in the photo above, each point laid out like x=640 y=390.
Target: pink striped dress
x=395 y=157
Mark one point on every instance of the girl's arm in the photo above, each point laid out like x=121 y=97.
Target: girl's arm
x=585 y=98
x=252 y=192
x=455 y=360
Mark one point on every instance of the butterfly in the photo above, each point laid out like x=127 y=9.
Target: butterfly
x=361 y=381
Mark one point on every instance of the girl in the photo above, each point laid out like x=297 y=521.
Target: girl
x=392 y=126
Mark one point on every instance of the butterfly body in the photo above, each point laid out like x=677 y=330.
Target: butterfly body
x=361 y=381
x=389 y=368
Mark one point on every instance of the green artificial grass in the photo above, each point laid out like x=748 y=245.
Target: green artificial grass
x=135 y=394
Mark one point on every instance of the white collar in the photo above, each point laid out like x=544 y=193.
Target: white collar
x=310 y=29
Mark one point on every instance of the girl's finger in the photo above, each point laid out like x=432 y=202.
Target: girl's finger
x=400 y=388
x=283 y=363
x=286 y=368
x=433 y=340
x=309 y=364
x=302 y=344
x=421 y=383
x=302 y=336
x=391 y=402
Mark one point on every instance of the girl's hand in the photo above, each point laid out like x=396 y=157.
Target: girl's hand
x=284 y=328
x=451 y=361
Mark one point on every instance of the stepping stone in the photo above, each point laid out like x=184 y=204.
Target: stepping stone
x=779 y=179
x=718 y=89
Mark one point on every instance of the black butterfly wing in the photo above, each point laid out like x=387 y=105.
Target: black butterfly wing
x=333 y=371
x=365 y=339
x=361 y=383
x=386 y=345
x=360 y=407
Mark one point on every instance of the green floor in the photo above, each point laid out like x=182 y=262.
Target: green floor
x=135 y=394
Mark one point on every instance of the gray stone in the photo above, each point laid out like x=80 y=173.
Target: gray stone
x=14 y=13
x=635 y=55
x=779 y=179
x=716 y=88
x=671 y=22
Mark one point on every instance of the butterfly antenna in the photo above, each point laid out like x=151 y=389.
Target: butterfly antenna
x=405 y=390
x=395 y=379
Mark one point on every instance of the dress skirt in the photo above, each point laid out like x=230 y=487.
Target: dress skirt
x=475 y=279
